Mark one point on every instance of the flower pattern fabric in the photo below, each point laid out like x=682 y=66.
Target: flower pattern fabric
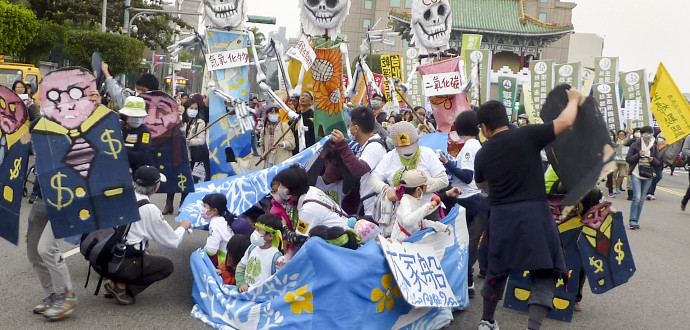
x=386 y=296
x=300 y=300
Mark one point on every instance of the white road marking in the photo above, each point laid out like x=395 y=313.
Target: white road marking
x=70 y=253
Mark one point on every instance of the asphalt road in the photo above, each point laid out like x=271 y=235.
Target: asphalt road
x=652 y=299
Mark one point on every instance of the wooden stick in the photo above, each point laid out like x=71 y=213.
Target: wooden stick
x=208 y=126
x=275 y=145
x=421 y=122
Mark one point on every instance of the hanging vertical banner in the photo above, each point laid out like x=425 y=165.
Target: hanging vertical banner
x=507 y=92
x=445 y=107
x=479 y=62
x=587 y=77
x=414 y=91
x=542 y=82
x=669 y=106
x=470 y=41
x=391 y=67
x=635 y=88
x=606 y=70
x=568 y=74
x=606 y=96
x=230 y=149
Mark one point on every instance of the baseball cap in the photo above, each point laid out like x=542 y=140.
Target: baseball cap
x=405 y=137
x=134 y=107
x=148 y=176
x=414 y=178
x=523 y=116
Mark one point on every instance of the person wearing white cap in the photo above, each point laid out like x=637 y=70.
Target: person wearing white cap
x=135 y=133
x=408 y=155
x=409 y=217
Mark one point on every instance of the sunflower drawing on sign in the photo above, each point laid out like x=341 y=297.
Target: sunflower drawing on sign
x=445 y=100
x=327 y=72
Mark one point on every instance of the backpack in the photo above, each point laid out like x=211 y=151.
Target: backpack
x=99 y=248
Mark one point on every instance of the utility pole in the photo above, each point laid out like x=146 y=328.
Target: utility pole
x=103 y=14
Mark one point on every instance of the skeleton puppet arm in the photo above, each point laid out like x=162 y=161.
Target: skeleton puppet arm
x=187 y=42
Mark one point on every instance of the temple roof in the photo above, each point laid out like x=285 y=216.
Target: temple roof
x=506 y=17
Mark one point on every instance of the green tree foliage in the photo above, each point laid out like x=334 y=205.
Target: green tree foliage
x=18 y=26
x=122 y=53
x=49 y=37
x=373 y=61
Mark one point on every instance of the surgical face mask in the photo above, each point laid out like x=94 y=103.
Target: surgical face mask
x=192 y=113
x=637 y=135
x=273 y=117
x=521 y=121
x=135 y=122
x=375 y=104
x=647 y=136
x=660 y=139
x=257 y=239
x=282 y=193
x=278 y=199
x=205 y=213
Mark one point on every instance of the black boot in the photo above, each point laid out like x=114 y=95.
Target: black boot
x=629 y=195
x=683 y=203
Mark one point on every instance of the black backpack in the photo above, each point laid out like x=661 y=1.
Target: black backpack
x=105 y=248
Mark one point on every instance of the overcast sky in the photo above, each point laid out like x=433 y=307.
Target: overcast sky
x=641 y=32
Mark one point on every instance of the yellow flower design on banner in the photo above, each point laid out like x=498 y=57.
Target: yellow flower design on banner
x=300 y=300
x=385 y=296
x=327 y=72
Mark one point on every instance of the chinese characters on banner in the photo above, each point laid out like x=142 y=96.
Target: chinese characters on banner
x=418 y=274
x=542 y=82
x=442 y=84
x=669 y=107
x=478 y=63
x=568 y=74
x=634 y=85
x=507 y=93
x=633 y=111
x=470 y=41
x=587 y=76
x=303 y=53
x=606 y=70
x=529 y=106
x=227 y=59
x=414 y=92
x=391 y=67
x=606 y=96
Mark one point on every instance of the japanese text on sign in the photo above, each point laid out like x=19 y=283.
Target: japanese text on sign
x=442 y=84
x=418 y=274
x=303 y=53
x=228 y=59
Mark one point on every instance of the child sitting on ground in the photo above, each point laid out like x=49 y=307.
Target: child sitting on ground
x=219 y=233
x=262 y=258
x=237 y=246
x=410 y=215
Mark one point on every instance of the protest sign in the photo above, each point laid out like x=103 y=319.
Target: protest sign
x=479 y=62
x=669 y=106
x=442 y=84
x=414 y=91
x=635 y=88
x=507 y=93
x=303 y=53
x=529 y=105
x=227 y=59
x=470 y=41
x=391 y=67
x=606 y=70
x=542 y=82
x=606 y=96
x=587 y=76
x=568 y=74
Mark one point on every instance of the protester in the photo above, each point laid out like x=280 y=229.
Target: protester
x=410 y=215
x=521 y=234
x=237 y=246
x=197 y=150
x=377 y=102
x=146 y=83
x=274 y=135
x=306 y=101
x=24 y=92
x=244 y=224
x=135 y=133
x=621 y=171
x=421 y=122
x=263 y=255
x=523 y=120
x=259 y=118
x=337 y=236
x=658 y=169
x=686 y=155
x=642 y=158
x=139 y=269
x=184 y=97
x=215 y=210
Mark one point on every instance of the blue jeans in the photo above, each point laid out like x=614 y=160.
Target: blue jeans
x=640 y=188
x=659 y=171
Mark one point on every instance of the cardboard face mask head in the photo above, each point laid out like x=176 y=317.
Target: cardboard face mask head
x=64 y=96
x=12 y=111
x=317 y=16
x=162 y=112
x=431 y=24
x=229 y=14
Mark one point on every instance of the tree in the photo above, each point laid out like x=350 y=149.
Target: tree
x=18 y=26
x=122 y=53
x=259 y=39
x=49 y=37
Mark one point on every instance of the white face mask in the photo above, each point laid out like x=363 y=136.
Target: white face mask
x=273 y=117
x=282 y=192
x=192 y=113
x=135 y=122
x=375 y=104
x=637 y=135
x=257 y=239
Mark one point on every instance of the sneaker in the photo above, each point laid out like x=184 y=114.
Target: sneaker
x=616 y=191
x=486 y=325
x=612 y=195
x=651 y=197
x=470 y=291
x=44 y=305
x=61 y=307
x=636 y=227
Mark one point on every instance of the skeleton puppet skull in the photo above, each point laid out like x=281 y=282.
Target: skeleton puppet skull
x=319 y=16
x=230 y=14
x=161 y=111
x=12 y=111
x=64 y=96
x=431 y=24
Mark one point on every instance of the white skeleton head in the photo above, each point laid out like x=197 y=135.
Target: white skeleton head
x=317 y=16
x=431 y=24
x=229 y=14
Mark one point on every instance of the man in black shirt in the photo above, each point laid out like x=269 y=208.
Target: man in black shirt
x=521 y=234
x=306 y=101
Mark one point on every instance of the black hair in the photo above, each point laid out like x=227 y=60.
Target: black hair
x=220 y=203
x=17 y=82
x=184 y=94
x=382 y=96
x=646 y=129
x=381 y=117
x=409 y=190
x=353 y=241
x=254 y=213
x=619 y=132
x=237 y=246
x=270 y=220
x=149 y=81
x=492 y=114
x=254 y=98
x=466 y=123
x=295 y=179
x=319 y=231
x=419 y=107
x=364 y=118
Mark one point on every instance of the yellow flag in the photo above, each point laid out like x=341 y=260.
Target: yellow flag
x=669 y=106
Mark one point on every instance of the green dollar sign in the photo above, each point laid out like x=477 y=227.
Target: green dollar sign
x=619 y=249
x=105 y=137
x=182 y=181
x=56 y=183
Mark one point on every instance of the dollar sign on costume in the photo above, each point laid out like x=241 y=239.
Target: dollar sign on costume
x=56 y=183
x=182 y=181
x=14 y=173
x=619 y=251
x=105 y=137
